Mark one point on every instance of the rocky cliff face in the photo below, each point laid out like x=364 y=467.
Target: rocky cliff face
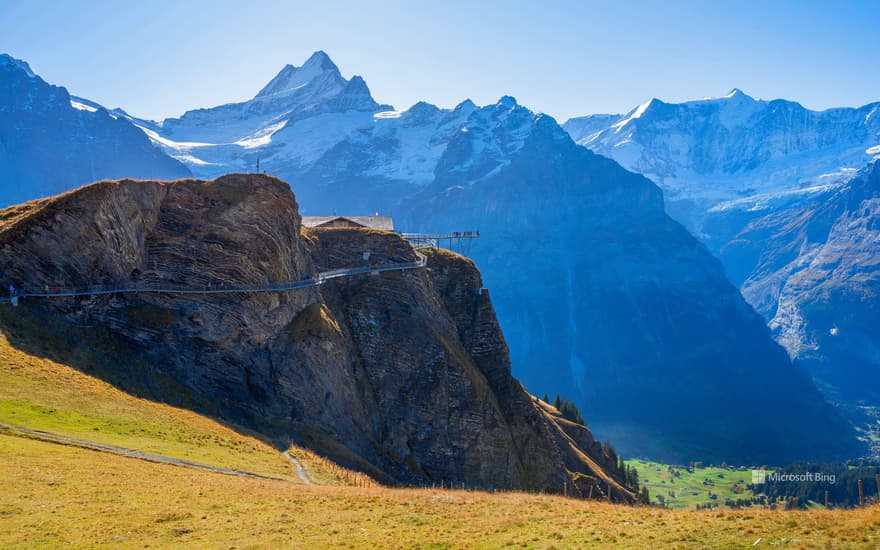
x=815 y=278
x=404 y=375
x=601 y=293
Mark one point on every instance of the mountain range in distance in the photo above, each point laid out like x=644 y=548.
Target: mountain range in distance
x=785 y=197
x=602 y=295
x=51 y=142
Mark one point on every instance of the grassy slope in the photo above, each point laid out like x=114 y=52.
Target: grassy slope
x=40 y=394
x=57 y=495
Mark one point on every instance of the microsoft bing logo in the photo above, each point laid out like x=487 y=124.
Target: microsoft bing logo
x=759 y=477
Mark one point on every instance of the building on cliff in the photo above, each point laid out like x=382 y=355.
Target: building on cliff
x=385 y=223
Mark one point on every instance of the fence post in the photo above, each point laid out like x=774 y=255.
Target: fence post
x=826 y=500
x=861 y=494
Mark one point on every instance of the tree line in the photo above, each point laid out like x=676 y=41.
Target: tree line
x=843 y=492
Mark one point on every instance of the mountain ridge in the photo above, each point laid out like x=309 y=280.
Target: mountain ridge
x=51 y=142
x=771 y=194
x=414 y=161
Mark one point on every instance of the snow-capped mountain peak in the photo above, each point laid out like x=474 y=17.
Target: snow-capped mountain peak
x=291 y=79
x=736 y=93
x=732 y=148
x=636 y=113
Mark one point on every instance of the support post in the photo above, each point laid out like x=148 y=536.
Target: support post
x=826 y=500
x=861 y=494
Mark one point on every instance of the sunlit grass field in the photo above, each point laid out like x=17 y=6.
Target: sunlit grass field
x=683 y=489
x=58 y=495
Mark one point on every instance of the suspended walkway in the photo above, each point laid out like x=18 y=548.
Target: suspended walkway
x=160 y=288
x=458 y=241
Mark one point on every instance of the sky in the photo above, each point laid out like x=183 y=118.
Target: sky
x=158 y=59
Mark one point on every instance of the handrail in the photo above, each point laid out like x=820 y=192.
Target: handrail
x=316 y=280
x=442 y=236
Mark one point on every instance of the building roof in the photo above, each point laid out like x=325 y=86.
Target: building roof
x=386 y=223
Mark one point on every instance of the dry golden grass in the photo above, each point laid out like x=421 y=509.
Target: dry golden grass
x=56 y=495
x=326 y=472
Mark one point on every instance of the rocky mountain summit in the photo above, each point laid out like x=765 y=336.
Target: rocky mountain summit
x=288 y=125
x=404 y=375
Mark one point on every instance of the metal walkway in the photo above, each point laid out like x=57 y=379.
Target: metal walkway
x=459 y=241
x=318 y=279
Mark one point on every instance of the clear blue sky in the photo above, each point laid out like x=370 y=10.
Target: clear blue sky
x=160 y=58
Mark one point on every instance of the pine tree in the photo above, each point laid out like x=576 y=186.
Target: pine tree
x=546 y=399
x=610 y=452
x=633 y=478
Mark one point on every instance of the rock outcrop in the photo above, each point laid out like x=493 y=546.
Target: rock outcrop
x=404 y=375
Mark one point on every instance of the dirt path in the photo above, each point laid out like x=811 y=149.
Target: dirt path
x=300 y=471
x=101 y=447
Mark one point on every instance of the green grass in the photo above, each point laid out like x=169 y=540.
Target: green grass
x=682 y=489
x=40 y=394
